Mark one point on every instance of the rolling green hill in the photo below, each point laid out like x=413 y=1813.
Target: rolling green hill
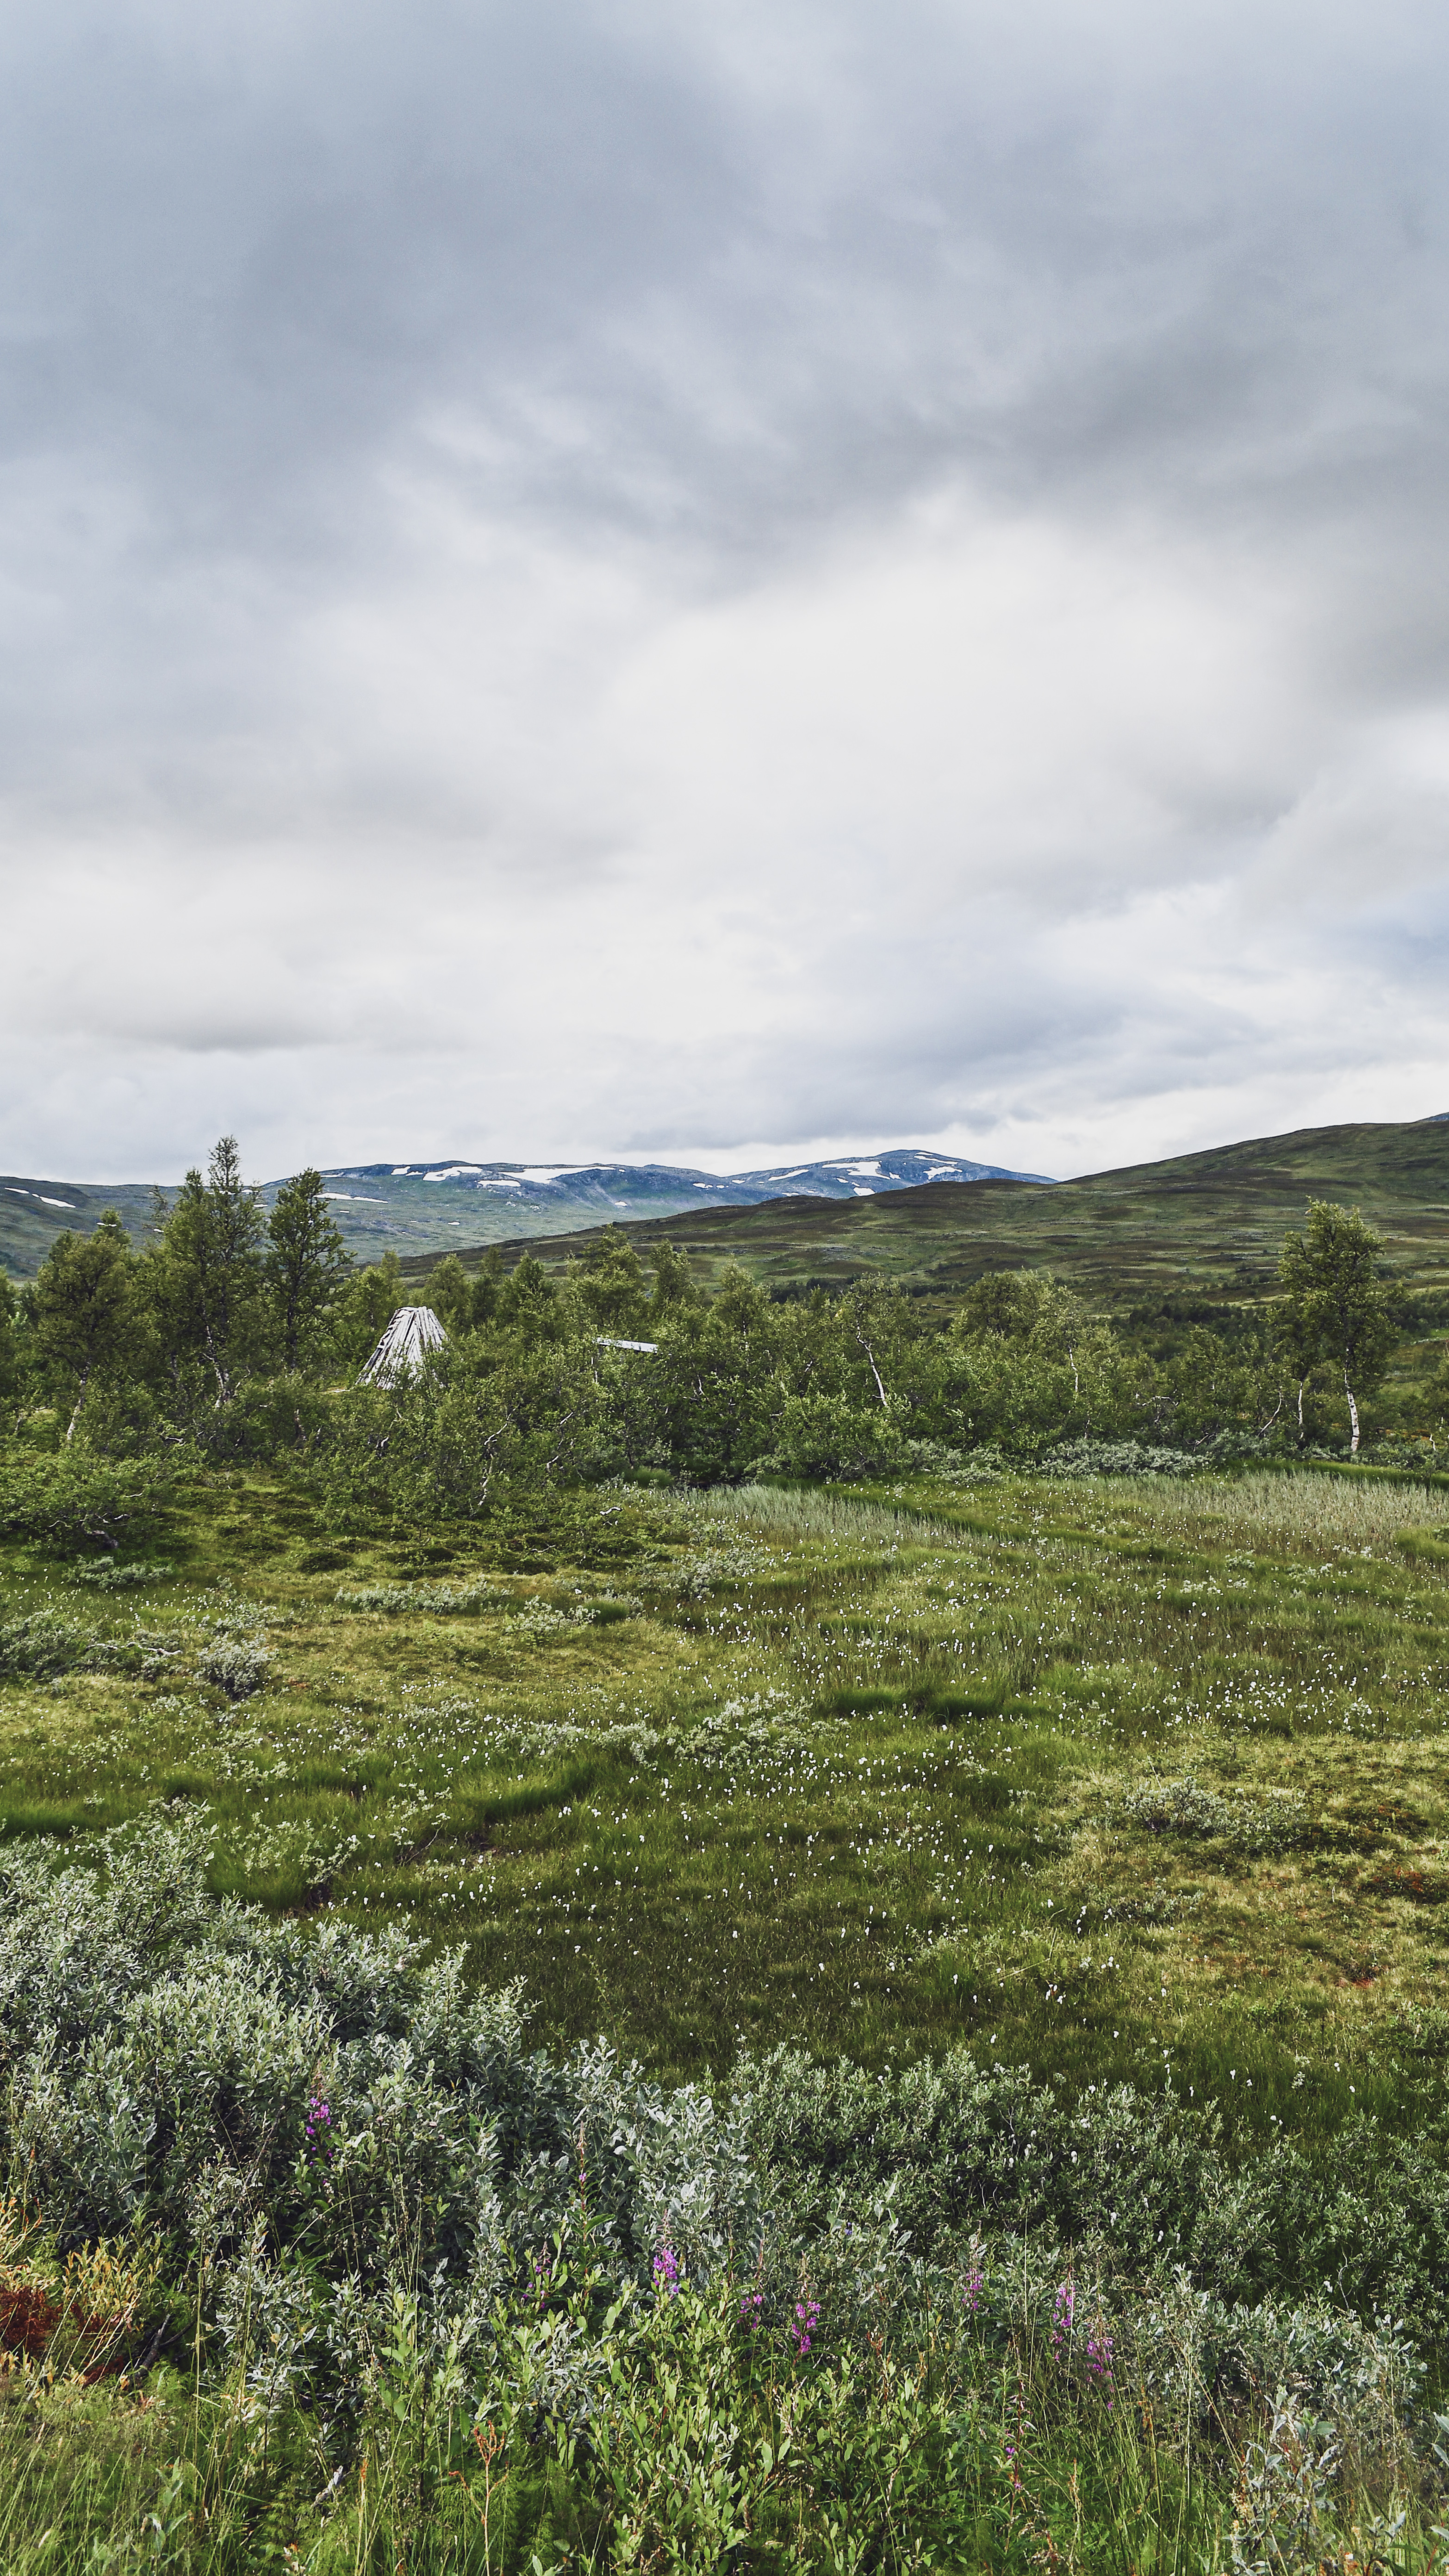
x=1207 y=1224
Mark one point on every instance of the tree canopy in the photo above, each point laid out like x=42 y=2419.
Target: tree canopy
x=1336 y=1305
x=234 y=1332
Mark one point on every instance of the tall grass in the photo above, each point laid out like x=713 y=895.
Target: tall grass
x=669 y=2431
x=804 y=1514
x=1299 y=1508
x=1296 y=1510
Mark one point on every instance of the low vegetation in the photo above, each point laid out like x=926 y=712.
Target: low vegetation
x=582 y=2015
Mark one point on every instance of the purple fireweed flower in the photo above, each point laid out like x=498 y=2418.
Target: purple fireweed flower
x=1099 y=2361
x=666 y=2273
x=317 y=2127
x=1063 y=2317
x=971 y=2291
x=750 y=2307
x=803 y=2324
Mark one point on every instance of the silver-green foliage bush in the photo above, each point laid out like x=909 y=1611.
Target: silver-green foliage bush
x=120 y=1578
x=41 y=1645
x=236 y=1662
x=1185 y=1807
x=464 y=1601
x=163 y=2057
x=1116 y=1458
x=324 y=2123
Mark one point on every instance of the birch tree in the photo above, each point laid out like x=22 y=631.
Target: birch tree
x=1336 y=1306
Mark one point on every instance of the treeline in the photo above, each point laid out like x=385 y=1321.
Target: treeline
x=238 y=1334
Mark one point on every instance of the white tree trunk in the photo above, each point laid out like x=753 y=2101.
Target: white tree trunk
x=80 y=1399
x=1352 y=1415
x=875 y=1372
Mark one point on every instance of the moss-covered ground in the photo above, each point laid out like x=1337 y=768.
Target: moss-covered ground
x=1117 y=1778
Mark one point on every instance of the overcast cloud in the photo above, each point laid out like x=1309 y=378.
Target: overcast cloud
x=697 y=583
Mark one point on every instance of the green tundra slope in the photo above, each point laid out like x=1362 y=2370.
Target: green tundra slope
x=33 y=1212
x=1207 y=1223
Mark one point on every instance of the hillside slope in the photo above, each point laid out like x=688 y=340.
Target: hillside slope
x=433 y=1207
x=33 y=1212
x=1208 y=1223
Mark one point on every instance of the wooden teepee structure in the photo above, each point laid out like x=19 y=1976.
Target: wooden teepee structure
x=413 y=1332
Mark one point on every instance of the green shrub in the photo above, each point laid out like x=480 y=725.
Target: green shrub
x=76 y=1498
x=1115 y=1458
x=237 y=1664
x=1182 y=1806
x=121 y=1578
x=834 y=1438
x=41 y=1646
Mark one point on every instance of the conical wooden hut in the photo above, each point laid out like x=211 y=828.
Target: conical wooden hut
x=412 y=1333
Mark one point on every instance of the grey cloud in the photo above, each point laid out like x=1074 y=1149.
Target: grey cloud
x=256 y=255
x=452 y=462
x=252 y=253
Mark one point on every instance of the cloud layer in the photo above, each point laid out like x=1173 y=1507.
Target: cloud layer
x=603 y=580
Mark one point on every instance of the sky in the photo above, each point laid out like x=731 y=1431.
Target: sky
x=710 y=584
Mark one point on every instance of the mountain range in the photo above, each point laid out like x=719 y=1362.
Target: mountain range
x=427 y=1207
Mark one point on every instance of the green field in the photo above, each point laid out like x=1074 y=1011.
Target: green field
x=757 y=1931
x=877 y=1775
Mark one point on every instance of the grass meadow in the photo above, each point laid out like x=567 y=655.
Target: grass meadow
x=1122 y=1781
x=877 y=1775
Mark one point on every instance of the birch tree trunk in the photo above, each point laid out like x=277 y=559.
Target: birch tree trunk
x=80 y=1399
x=875 y=1372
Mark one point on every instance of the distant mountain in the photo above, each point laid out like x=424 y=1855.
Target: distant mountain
x=422 y=1207
x=33 y=1212
x=1209 y=1222
x=861 y=1176
x=426 y=1207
